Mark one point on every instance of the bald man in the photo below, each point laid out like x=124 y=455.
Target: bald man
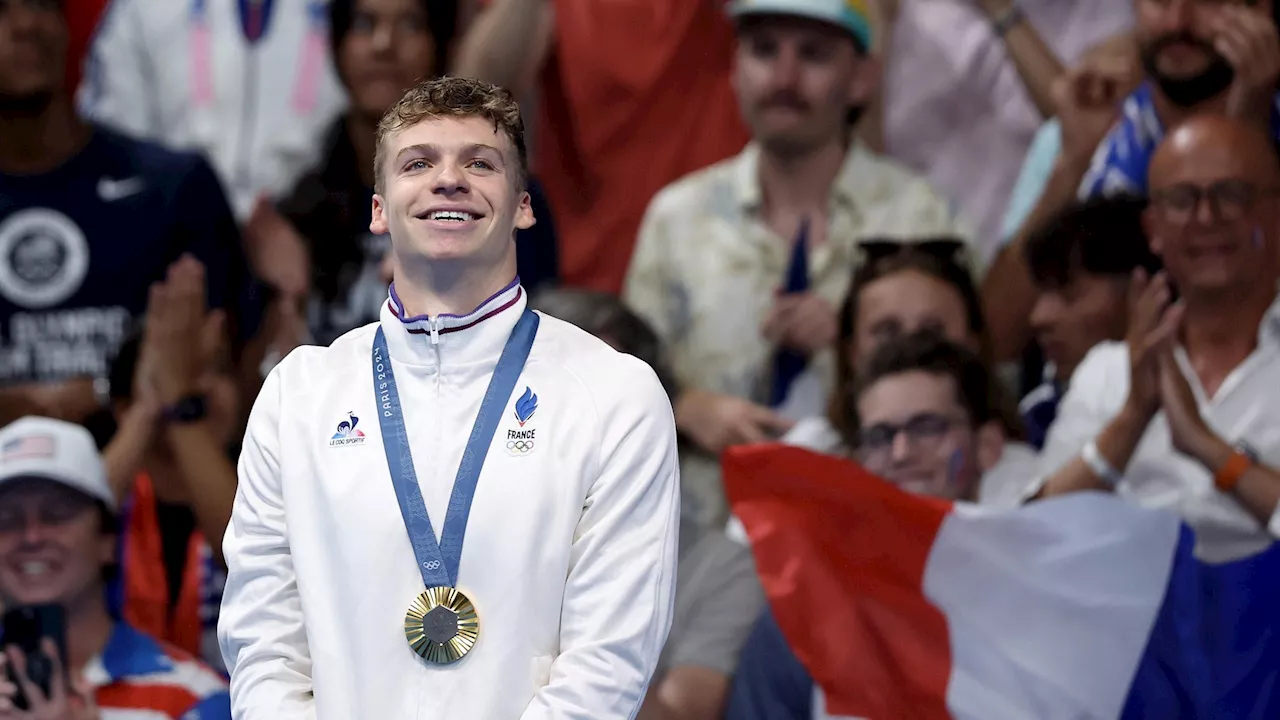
x=1182 y=414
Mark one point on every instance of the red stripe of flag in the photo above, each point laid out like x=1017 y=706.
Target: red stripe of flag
x=842 y=555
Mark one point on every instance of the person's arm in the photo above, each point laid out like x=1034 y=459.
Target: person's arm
x=72 y=400
x=1037 y=64
x=619 y=593
x=208 y=476
x=118 y=87
x=261 y=630
x=1007 y=290
x=771 y=683
x=507 y=43
x=724 y=602
x=123 y=456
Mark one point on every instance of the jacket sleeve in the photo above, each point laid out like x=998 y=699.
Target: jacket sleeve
x=620 y=588
x=261 y=630
x=117 y=87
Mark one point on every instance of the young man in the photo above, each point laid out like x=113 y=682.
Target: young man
x=88 y=220
x=1081 y=264
x=926 y=424
x=57 y=544
x=1181 y=415
x=739 y=267
x=559 y=600
x=380 y=47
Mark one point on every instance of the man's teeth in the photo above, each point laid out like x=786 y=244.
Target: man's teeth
x=34 y=568
x=451 y=215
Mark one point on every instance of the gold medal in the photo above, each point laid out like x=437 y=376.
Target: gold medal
x=441 y=625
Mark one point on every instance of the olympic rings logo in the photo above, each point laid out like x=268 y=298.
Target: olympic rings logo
x=431 y=565
x=520 y=446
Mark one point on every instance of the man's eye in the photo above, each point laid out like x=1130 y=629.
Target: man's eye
x=416 y=165
x=482 y=164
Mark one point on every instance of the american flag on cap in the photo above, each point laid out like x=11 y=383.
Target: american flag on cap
x=27 y=447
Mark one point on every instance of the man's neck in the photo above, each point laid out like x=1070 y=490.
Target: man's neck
x=88 y=629
x=362 y=134
x=794 y=187
x=441 y=289
x=1219 y=331
x=40 y=142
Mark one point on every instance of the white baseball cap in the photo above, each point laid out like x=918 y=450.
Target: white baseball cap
x=47 y=449
x=849 y=15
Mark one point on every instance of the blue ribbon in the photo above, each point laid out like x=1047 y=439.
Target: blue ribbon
x=789 y=364
x=439 y=562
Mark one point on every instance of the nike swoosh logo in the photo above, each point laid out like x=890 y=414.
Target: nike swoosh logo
x=111 y=190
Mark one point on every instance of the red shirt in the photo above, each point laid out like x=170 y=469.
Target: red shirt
x=82 y=19
x=634 y=95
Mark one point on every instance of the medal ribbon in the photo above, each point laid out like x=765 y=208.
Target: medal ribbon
x=438 y=561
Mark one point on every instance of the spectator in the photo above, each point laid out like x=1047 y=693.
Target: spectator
x=57 y=541
x=718 y=597
x=1181 y=415
x=88 y=220
x=249 y=84
x=1200 y=57
x=1088 y=100
x=381 y=48
x=1081 y=264
x=966 y=84
x=711 y=268
x=925 y=423
x=172 y=468
x=632 y=94
x=900 y=291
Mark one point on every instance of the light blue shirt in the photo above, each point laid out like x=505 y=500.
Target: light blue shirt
x=1034 y=176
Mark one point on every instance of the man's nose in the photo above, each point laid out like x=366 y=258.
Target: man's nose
x=900 y=447
x=1043 y=312
x=450 y=180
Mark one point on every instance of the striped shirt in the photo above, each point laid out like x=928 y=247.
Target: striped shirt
x=139 y=678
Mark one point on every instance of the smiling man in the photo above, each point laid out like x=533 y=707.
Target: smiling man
x=460 y=412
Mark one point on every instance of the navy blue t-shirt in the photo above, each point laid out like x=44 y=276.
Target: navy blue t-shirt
x=81 y=245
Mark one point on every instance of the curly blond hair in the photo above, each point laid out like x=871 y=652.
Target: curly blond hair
x=454 y=97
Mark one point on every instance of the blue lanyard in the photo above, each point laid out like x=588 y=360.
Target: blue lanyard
x=438 y=562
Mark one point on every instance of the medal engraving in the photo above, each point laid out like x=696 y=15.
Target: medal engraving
x=441 y=625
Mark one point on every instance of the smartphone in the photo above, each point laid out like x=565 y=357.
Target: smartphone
x=25 y=626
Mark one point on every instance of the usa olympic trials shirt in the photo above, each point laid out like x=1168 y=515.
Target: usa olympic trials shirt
x=81 y=245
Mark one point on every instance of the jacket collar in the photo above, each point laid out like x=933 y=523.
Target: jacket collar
x=453 y=340
x=856 y=184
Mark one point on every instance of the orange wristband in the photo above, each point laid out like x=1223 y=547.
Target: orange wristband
x=1231 y=471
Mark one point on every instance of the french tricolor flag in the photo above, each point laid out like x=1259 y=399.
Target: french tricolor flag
x=1081 y=607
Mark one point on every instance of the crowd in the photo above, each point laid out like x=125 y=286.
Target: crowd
x=992 y=250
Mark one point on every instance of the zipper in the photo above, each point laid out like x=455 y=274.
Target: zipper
x=435 y=335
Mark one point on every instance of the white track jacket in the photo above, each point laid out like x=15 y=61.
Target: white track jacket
x=569 y=555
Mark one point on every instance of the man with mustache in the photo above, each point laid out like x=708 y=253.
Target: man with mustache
x=740 y=266
x=1201 y=56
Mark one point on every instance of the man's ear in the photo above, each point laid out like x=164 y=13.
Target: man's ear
x=524 y=212
x=865 y=82
x=378 y=218
x=989 y=445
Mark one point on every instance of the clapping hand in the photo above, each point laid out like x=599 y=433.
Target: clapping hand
x=1088 y=97
x=65 y=701
x=1154 y=320
x=182 y=336
x=805 y=322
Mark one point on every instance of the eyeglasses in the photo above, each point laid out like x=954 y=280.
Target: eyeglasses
x=1229 y=200
x=923 y=431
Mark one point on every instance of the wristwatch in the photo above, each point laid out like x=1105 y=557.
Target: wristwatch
x=1008 y=18
x=1242 y=458
x=187 y=410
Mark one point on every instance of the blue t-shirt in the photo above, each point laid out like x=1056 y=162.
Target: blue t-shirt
x=81 y=245
x=770 y=682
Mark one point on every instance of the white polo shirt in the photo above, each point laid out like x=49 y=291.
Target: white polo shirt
x=1244 y=408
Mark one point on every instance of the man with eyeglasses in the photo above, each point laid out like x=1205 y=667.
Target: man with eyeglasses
x=1182 y=415
x=928 y=424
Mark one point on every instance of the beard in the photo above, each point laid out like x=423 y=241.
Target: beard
x=1186 y=92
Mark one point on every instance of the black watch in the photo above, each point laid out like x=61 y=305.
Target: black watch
x=189 y=409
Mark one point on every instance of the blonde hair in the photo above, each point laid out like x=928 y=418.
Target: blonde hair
x=459 y=98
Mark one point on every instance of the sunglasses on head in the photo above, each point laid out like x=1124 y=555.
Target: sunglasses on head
x=876 y=250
